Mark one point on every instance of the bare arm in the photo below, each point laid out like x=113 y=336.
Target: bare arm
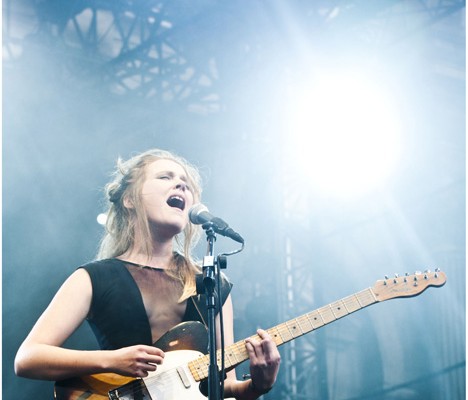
x=41 y=357
x=264 y=361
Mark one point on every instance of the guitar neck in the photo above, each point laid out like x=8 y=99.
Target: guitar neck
x=289 y=330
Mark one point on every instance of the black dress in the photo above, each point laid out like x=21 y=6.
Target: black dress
x=118 y=316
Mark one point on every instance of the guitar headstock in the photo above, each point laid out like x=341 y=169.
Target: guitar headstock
x=407 y=285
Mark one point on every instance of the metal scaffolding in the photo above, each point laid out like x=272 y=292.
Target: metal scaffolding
x=142 y=49
x=145 y=48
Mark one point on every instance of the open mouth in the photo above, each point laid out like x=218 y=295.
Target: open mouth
x=176 y=202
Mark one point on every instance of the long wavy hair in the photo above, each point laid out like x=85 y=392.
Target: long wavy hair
x=123 y=223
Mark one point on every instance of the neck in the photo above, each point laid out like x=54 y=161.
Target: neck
x=161 y=257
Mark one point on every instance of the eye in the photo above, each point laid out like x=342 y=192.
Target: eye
x=165 y=177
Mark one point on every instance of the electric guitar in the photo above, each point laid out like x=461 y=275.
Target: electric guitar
x=185 y=365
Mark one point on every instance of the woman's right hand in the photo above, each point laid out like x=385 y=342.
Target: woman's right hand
x=136 y=361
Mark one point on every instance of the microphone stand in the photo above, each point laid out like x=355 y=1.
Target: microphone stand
x=209 y=283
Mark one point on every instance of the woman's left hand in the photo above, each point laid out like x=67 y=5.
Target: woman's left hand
x=264 y=361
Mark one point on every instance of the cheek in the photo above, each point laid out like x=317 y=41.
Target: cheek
x=190 y=200
x=151 y=204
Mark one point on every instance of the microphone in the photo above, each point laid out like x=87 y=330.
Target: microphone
x=200 y=215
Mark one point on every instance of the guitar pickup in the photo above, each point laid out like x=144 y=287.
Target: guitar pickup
x=183 y=377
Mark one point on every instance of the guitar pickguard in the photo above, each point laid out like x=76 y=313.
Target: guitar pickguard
x=172 y=380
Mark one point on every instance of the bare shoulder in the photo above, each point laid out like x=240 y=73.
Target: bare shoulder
x=67 y=310
x=79 y=279
x=76 y=288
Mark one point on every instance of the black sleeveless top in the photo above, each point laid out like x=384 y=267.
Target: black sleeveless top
x=118 y=316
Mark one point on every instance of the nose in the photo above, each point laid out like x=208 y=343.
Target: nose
x=182 y=186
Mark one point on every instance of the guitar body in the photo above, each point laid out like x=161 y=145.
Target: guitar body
x=172 y=380
x=181 y=344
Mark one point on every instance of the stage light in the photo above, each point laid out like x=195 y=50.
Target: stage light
x=101 y=219
x=344 y=134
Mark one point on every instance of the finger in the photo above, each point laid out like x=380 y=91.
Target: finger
x=153 y=359
x=256 y=345
x=268 y=344
x=269 y=347
x=154 y=351
x=263 y=334
x=149 y=367
x=141 y=373
x=250 y=348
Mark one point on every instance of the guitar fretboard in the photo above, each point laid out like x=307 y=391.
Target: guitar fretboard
x=287 y=331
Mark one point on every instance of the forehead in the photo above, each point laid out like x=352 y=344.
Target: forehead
x=167 y=166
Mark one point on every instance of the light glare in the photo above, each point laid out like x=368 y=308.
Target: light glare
x=101 y=219
x=345 y=135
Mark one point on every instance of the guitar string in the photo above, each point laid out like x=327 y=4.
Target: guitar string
x=326 y=315
x=200 y=369
x=148 y=383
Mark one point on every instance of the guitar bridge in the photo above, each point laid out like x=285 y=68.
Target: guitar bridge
x=135 y=390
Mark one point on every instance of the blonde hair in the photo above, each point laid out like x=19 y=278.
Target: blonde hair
x=123 y=223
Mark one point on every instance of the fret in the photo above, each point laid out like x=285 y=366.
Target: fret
x=294 y=328
x=352 y=303
x=204 y=366
x=315 y=319
x=227 y=355
x=366 y=297
x=230 y=356
x=304 y=323
x=199 y=368
x=193 y=370
x=338 y=309
x=274 y=333
x=284 y=333
x=242 y=351
x=327 y=314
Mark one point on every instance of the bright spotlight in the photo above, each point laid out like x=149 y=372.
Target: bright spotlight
x=101 y=219
x=345 y=134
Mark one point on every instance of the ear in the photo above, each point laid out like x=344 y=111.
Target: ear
x=128 y=203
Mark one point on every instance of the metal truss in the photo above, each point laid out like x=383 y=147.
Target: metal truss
x=146 y=48
x=304 y=361
x=303 y=370
x=132 y=48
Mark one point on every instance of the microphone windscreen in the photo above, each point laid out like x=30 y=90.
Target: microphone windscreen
x=195 y=214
